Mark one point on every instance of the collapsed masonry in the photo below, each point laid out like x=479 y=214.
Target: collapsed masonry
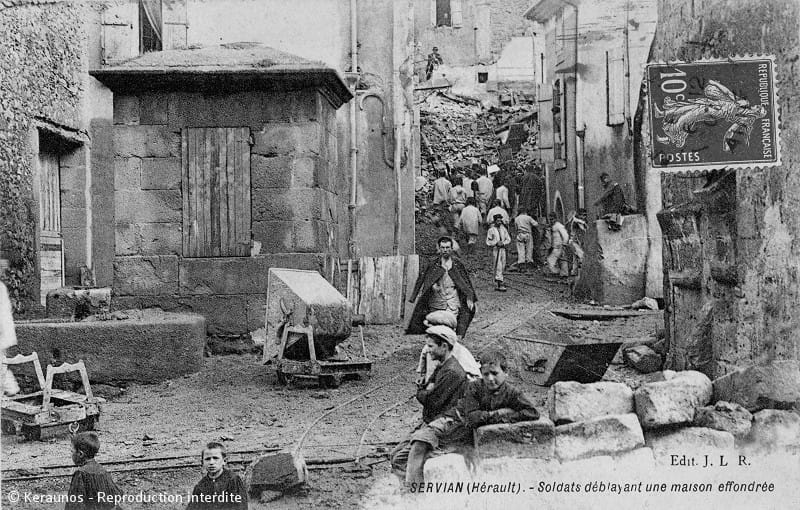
x=457 y=129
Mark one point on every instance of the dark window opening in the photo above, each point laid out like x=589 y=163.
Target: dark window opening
x=150 y=24
x=483 y=77
x=443 y=15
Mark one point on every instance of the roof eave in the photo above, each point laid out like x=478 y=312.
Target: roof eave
x=124 y=79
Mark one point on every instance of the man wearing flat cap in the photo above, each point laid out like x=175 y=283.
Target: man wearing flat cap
x=437 y=395
x=443 y=285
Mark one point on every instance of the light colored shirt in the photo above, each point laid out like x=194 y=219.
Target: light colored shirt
x=441 y=190
x=497 y=210
x=7 y=335
x=558 y=235
x=525 y=224
x=497 y=236
x=458 y=195
x=502 y=195
x=470 y=220
x=468 y=187
x=485 y=187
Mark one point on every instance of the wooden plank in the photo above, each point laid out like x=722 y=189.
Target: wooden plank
x=231 y=192
x=222 y=172
x=208 y=142
x=602 y=314
x=366 y=273
x=213 y=191
x=186 y=212
x=410 y=278
x=243 y=227
x=193 y=198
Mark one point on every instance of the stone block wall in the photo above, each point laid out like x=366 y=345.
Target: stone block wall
x=294 y=205
x=745 y=230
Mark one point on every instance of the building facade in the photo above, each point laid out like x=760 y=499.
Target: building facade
x=589 y=62
x=61 y=123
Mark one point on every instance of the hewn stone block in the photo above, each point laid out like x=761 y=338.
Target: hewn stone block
x=153 y=108
x=72 y=177
x=73 y=218
x=310 y=236
x=284 y=139
x=775 y=384
x=599 y=436
x=146 y=141
x=160 y=239
x=147 y=347
x=304 y=172
x=776 y=428
x=126 y=109
x=672 y=401
x=127 y=173
x=146 y=275
x=571 y=401
x=689 y=441
x=275 y=471
x=643 y=358
x=725 y=416
x=161 y=173
x=126 y=239
x=73 y=199
x=225 y=315
x=271 y=172
x=72 y=303
x=274 y=236
x=158 y=206
x=237 y=275
x=529 y=439
x=291 y=204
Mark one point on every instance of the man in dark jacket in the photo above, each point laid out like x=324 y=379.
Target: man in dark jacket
x=444 y=285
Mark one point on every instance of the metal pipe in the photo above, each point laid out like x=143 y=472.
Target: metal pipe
x=351 y=207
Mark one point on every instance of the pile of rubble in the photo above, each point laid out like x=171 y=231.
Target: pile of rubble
x=456 y=130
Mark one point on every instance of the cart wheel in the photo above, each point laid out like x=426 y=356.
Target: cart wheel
x=31 y=433
x=8 y=427
x=330 y=381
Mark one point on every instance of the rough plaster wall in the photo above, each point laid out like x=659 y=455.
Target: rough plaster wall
x=41 y=66
x=753 y=321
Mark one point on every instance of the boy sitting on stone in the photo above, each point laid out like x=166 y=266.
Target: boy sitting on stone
x=488 y=400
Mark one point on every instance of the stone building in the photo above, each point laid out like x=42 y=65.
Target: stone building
x=731 y=251
x=225 y=164
x=590 y=68
x=357 y=183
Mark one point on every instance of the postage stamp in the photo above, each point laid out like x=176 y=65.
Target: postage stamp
x=713 y=114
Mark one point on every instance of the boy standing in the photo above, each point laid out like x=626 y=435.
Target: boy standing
x=91 y=486
x=488 y=400
x=527 y=237
x=497 y=237
x=556 y=261
x=220 y=488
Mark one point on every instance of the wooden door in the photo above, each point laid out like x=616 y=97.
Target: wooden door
x=51 y=253
x=216 y=192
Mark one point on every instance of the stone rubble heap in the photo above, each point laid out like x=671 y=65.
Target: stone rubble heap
x=607 y=429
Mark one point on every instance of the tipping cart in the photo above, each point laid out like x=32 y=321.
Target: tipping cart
x=305 y=321
x=49 y=412
x=550 y=357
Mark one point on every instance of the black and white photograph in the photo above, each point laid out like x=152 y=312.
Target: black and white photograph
x=399 y=254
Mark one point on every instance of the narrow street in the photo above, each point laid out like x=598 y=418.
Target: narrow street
x=237 y=400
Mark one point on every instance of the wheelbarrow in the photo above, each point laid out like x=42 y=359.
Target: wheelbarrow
x=48 y=412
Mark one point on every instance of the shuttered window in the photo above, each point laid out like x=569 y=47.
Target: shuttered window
x=615 y=88
x=216 y=192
